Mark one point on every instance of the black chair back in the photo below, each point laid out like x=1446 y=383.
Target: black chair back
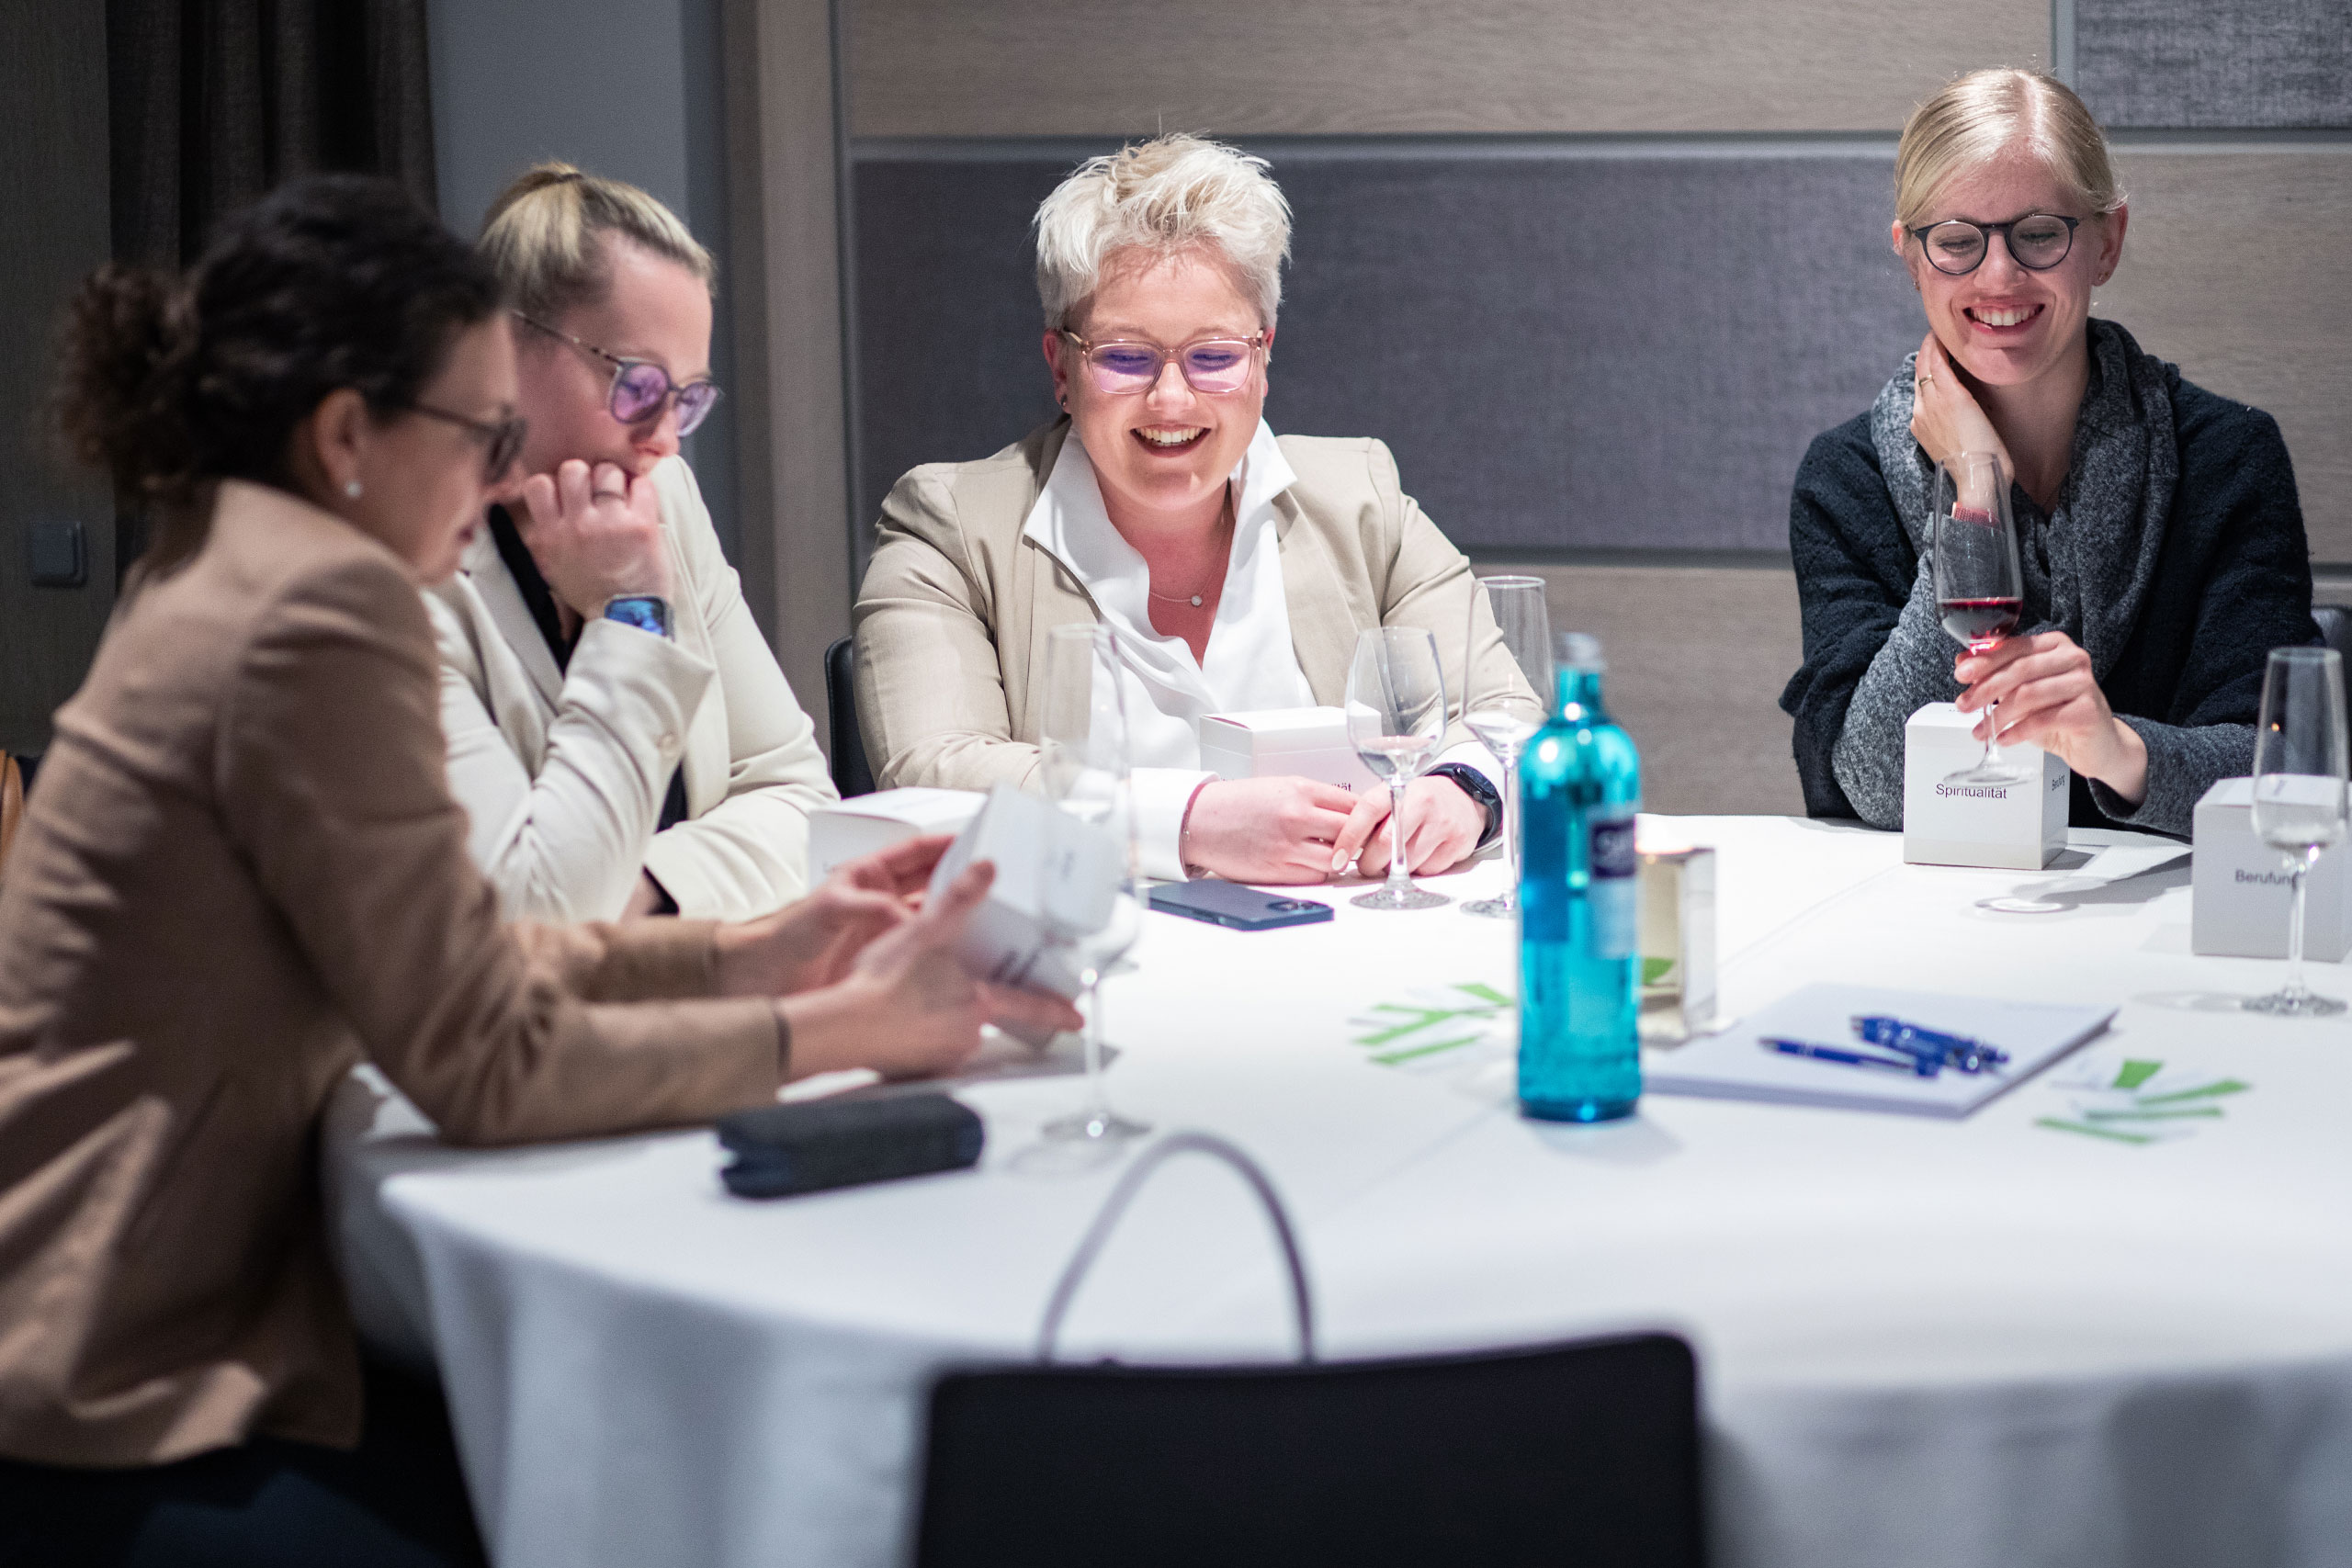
x=851 y=775
x=1576 y=1456
x=2334 y=625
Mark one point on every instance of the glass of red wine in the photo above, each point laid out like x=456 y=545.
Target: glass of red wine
x=1980 y=589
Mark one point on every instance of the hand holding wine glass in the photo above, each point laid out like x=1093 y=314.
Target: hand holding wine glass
x=2299 y=806
x=1514 y=608
x=1396 y=721
x=1980 y=586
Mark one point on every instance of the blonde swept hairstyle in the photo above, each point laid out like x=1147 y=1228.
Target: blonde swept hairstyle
x=1171 y=194
x=546 y=237
x=1977 y=116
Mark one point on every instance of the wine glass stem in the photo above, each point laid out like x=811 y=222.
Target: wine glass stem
x=1399 y=879
x=1098 y=1103
x=2295 y=930
x=1509 y=761
x=1992 y=735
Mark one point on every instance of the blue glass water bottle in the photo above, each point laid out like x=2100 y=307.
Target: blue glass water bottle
x=1579 y=934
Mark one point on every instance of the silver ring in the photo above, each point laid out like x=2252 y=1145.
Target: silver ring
x=610 y=495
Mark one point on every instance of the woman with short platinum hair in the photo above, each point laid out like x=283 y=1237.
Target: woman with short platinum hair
x=1235 y=567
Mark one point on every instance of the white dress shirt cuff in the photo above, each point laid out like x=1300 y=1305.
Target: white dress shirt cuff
x=1162 y=795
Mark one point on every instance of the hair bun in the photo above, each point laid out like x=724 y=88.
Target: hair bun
x=128 y=341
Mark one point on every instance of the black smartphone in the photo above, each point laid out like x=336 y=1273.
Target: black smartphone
x=1233 y=904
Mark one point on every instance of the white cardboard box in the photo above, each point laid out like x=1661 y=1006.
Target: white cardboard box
x=867 y=824
x=2018 y=827
x=1056 y=880
x=1310 y=743
x=2240 y=890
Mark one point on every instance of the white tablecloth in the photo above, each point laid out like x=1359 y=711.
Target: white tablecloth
x=1922 y=1343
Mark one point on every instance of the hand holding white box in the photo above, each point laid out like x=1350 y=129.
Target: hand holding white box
x=1056 y=880
x=2018 y=827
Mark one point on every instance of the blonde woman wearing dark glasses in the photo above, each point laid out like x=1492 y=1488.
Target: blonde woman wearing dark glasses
x=619 y=733
x=1237 y=565
x=2158 y=528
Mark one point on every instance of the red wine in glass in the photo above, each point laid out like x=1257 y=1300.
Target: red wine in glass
x=1980 y=623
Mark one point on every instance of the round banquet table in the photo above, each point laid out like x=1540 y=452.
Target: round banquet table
x=1975 y=1342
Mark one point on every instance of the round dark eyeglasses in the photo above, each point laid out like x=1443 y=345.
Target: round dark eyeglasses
x=642 y=389
x=501 y=441
x=1210 y=364
x=2037 y=242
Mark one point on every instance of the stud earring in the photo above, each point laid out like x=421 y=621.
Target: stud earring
x=352 y=489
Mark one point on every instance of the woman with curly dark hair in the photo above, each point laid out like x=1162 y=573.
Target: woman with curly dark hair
x=242 y=870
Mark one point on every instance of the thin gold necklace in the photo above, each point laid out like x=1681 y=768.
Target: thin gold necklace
x=1225 y=519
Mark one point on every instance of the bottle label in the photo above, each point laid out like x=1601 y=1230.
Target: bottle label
x=1614 y=888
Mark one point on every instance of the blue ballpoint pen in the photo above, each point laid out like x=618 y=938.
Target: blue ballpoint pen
x=1960 y=1051
x=1914 y=1065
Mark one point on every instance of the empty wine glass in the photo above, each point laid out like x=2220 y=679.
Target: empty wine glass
x=1396 y=721
x=1083 y=759
x=1504 y=718
x=1980 y=588
x=2299 y=793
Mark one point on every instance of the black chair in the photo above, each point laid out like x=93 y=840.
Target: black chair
x=850 y=773
x=1571 y=1455
x=2335 y=624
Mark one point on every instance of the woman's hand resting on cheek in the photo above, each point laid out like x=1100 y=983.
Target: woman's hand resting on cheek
x=1945 y=420
x=597 y=536
x=2047 y=695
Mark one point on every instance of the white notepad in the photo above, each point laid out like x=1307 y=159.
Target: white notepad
x=1733 y=1065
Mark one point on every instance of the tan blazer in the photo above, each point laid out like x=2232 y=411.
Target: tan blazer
x=953 y=615
x=563 y=771
x=242 y=871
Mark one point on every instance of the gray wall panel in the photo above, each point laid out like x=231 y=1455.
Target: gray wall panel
x=1567 y=348
x=2203 y=64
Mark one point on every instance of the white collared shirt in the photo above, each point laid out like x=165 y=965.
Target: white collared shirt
x=1251 y=663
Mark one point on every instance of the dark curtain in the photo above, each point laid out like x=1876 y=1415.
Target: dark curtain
x=213 y=102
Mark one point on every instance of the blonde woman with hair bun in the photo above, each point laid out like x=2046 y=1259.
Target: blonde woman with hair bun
x=2159 y=527
x=1237 y=565
x=618 y=729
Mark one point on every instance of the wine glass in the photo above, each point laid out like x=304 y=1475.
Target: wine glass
x=2299 y=793
x=1082 y=758
x=1396 y=721
x=1980 y=590
x=1504 y=719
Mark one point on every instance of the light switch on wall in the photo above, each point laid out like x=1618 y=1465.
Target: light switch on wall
x=59 y=554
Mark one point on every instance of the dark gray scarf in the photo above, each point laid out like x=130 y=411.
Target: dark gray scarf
x=2098 y=554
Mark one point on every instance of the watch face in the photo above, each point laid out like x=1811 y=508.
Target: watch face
x=643 y=611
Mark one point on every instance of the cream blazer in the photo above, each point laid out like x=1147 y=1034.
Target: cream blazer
x=954 y=615
x=562 y=772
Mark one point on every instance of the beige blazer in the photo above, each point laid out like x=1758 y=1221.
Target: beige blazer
x=563 y=771
x=956 y=605
x=240 y=871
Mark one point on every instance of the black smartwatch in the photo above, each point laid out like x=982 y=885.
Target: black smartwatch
x=646 y=611
x=1473 y=784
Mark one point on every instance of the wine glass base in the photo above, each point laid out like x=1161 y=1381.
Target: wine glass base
x=2294 y=1004
x=1990 y=773
x=1502 y=908
x=1400 y=898
x=1104 y=1126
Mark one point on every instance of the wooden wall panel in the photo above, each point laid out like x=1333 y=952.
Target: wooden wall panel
x=1697 y=658
x=2238 y=267
x=1244 y=67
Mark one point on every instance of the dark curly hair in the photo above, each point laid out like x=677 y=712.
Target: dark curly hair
x=333 y=281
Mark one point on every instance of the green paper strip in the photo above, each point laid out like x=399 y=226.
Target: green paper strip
x=2212 y=1111
x=2135 y=1074
x=1390 y=1058
x=1488 y=994
x=2115 y=1135
x=2211 y=1091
